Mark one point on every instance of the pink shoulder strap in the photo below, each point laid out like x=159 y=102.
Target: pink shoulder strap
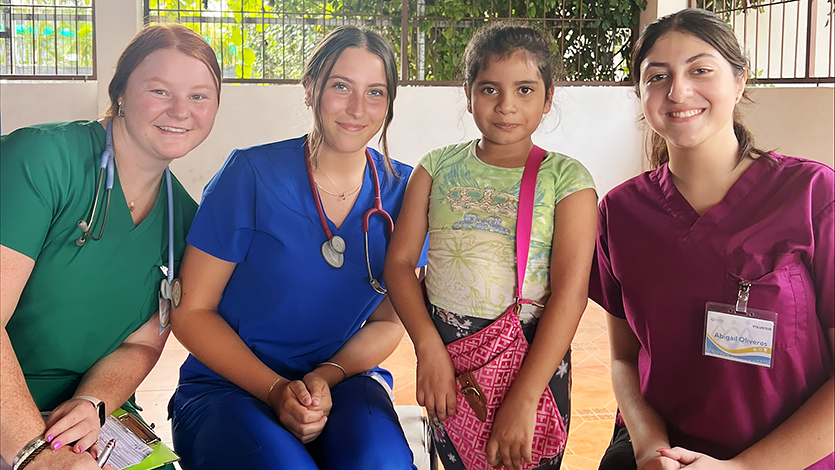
x=524 y=215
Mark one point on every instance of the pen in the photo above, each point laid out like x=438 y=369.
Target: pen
x=105 y=454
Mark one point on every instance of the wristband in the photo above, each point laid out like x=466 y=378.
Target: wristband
x=98 y=404
x=29 y=452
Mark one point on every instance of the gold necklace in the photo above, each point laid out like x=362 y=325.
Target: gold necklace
x=132 y=202
x=343 y=195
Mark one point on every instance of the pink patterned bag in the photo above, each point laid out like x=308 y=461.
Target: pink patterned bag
x=487 y=362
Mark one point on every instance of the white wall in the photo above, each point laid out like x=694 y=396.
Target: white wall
x=596 y=126
x=25 y=103
x=794 y=121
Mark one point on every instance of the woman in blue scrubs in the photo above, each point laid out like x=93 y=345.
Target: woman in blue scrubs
x=284 y=327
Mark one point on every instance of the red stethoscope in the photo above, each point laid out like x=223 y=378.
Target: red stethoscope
x=333 y=250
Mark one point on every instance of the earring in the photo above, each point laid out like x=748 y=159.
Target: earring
x=120 y=111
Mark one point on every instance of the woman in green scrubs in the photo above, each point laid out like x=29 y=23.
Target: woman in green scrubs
x=81 y=325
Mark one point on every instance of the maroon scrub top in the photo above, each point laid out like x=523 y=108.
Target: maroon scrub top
x=658 y=262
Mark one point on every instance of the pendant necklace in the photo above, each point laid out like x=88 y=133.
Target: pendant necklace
x=342 y=195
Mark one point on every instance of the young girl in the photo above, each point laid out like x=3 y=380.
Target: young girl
x=693 y=256
x=465 y=196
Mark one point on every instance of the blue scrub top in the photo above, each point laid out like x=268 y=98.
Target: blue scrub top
x=289 y=306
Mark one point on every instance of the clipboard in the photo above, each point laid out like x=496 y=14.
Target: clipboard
x=162 y=454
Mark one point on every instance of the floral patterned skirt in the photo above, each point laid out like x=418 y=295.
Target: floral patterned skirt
x=453 y=326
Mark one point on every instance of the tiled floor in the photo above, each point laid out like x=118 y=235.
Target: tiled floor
x=593 y=402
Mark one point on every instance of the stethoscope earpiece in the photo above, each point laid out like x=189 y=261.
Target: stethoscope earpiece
x=375 y=284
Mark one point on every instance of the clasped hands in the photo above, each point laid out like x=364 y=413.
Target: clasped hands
x=302 y=406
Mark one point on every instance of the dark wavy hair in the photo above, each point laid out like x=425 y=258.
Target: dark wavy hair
x=501 y=39
x=318 y=70
x=707 y=27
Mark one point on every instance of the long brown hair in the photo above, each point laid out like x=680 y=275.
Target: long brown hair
x=318 y=70
x=151 y=39
x=707 y=27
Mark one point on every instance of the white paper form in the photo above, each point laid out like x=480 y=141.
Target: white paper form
x=130 y=450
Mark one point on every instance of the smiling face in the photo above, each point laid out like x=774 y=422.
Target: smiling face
x=170 y=103
x=354 y=101
x=507 y=100
x=689 y=92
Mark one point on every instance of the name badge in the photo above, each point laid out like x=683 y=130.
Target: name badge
x=740 y=337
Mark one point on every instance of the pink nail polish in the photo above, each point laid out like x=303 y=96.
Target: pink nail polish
x=56 y=445
x=80 y=449
x=49 y=438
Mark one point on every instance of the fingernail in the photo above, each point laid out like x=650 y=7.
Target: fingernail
x=49 y=438
x=80 y=449
x=56 y=445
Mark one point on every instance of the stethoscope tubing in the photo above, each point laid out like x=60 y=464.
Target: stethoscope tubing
x=377 y=208
x=378 y=201
x=170 y=197
x=107 y=165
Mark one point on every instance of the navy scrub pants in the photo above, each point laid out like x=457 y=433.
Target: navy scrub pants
x=223 y=428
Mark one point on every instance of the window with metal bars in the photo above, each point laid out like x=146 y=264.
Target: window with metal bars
x=47 y=39
x=268 y=41
x=787 y=41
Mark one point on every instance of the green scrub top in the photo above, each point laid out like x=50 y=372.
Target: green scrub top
x=80 y=303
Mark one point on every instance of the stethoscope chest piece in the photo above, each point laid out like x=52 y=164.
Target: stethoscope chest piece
x=333 y=251
x=176 y=292
x=171 y=290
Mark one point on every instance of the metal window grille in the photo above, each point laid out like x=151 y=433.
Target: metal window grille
x=787 y=41
x=268 y=41
x=47 y=39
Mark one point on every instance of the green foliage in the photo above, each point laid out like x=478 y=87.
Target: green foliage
x=270 y=39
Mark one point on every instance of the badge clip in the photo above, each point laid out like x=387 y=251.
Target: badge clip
x=742 y=297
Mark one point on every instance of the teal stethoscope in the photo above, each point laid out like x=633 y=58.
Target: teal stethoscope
x=170 y=288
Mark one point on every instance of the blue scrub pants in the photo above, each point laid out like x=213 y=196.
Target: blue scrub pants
x=226 y=428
